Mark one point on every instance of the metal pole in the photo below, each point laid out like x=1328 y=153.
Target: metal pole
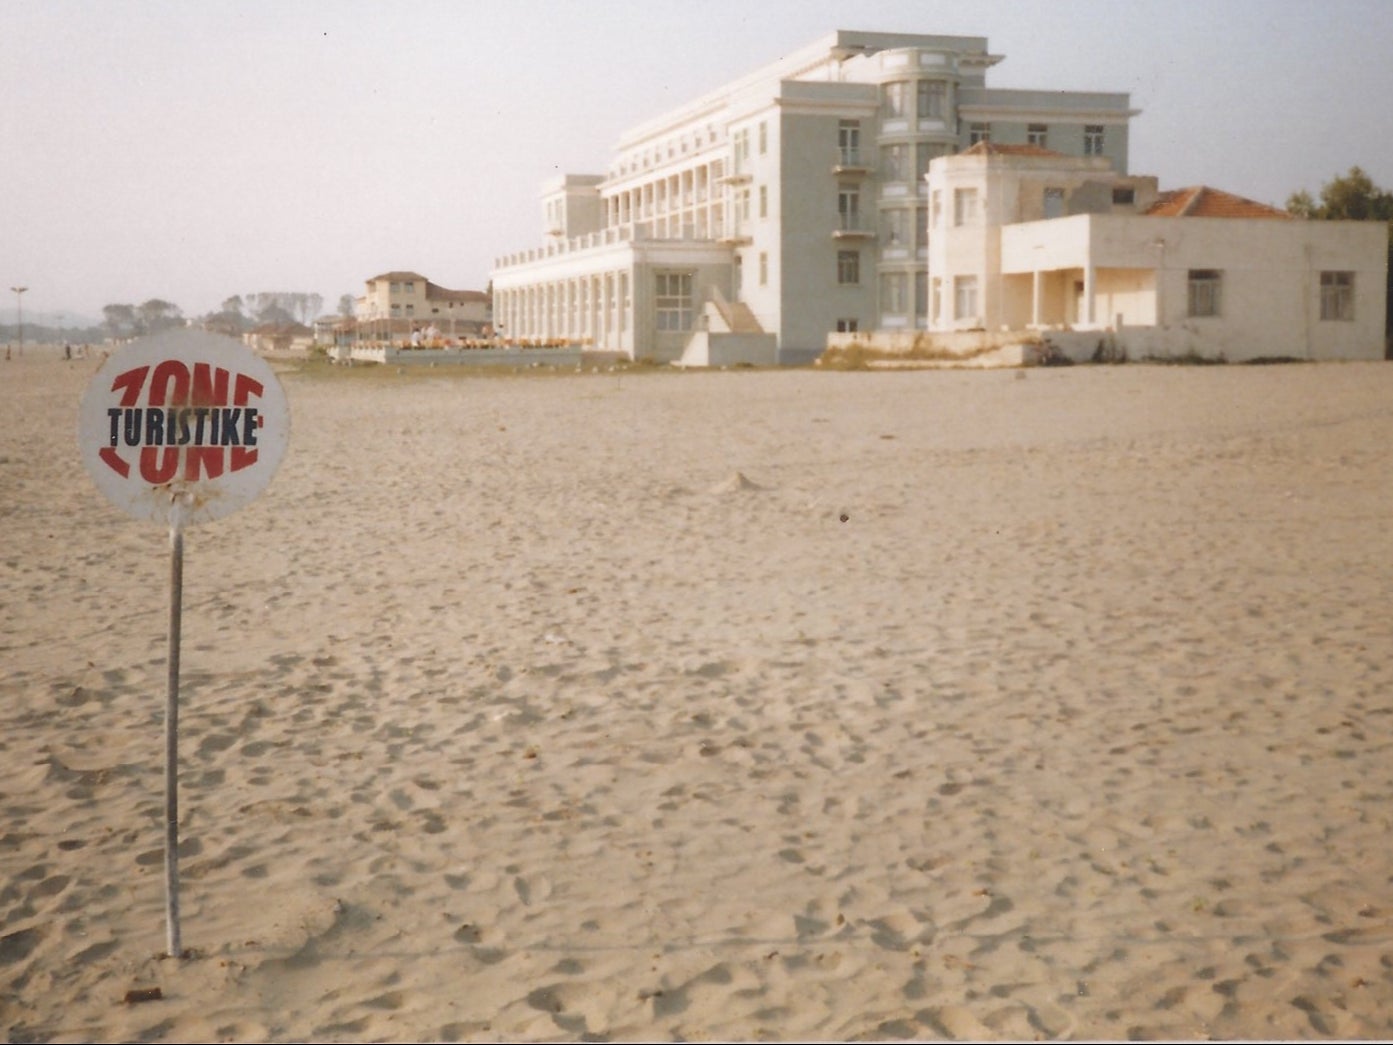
x=171 y=736
x=19 y=304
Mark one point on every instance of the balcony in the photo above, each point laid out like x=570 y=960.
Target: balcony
x=849 y=161
x=852 y=227
x=735 y=234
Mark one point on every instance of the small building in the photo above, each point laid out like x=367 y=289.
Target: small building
x=1025 y=239
x=397 y=304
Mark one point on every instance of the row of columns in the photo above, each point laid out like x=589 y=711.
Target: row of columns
x=693 y=198
x=597 y=308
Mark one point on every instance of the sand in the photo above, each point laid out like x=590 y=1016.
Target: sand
x=753 y=705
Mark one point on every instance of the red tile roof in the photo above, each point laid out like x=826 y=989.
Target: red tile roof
x=1200 y=201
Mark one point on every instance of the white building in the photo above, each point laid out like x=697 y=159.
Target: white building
x=1025 y=239
x=789 y=204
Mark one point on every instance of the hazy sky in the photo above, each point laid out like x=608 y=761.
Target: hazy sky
x=195 y=150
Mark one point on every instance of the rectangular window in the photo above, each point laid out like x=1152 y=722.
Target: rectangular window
x=849 y=142
x=1337 y=295
x=849 y=267
x=897 y=227
x=1037 y=134
x=892 y=97
x=763 y=269
x=965 y=297
x=763 y=137
x=978 y=132
x=764 y=201
x=1204 y=292
x=921 y=293
x=674 y=300
x=921 y=228
x=742 y=208
x=1054 y=203
x=1124 y=196
x=1093 y=139
x=964 y=206
x=894 y=162
x=849 y=208
x=923 y=153
x=933 y=99
x=847 y=326
x=892 y=293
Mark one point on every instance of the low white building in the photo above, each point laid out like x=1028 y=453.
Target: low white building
x=1024 y=239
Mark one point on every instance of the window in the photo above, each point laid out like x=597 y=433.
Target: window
x=849 y=142
x=965 y=297
x=674 y=300
x=742 y=150
x=847 y=326
x=1054 y=203
x=964 y=206
x=892 y=97
x=763 y=137
x=897 y=232
x=849 y=267
x=933 y=99
x=1124 y=196
x=1093 y=139
x=978 y=132
x=1204 y=292
x=742 y=205
x=1337 y=295
x=894 y=162
x=849 y=208
x=763 y=269
x=764 y=201
x=921 y=228
x=892 y=292
x=923 y=153
x=1037 y=134
x=921 y=293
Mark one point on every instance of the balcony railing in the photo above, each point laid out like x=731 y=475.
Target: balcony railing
x=852 y=226
x=849 y=160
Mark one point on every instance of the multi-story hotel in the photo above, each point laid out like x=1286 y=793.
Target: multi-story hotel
x=785 y=206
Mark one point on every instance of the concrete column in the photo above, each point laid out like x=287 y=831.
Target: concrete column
x=1088 y=292
x=1036 y=286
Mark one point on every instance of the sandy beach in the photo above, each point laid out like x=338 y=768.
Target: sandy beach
x=733 y=705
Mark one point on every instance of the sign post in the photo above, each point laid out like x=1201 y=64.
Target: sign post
x=181 y=428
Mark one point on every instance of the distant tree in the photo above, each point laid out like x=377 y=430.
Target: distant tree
x=227 y=321
x=156 y=315
x=308 y=306
x=346 y=306
x=233 y=304
x=1351 y=197
x=120 y=320
x=274 y=312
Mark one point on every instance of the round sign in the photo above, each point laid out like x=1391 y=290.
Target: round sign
x=183 y=427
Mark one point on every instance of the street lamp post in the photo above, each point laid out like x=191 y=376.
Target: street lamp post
x=19 y=303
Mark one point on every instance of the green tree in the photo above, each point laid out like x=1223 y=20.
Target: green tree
x=120 y=320
x=156 y=315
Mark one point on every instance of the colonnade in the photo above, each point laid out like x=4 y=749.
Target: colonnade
x=596 y=308
x=690 y=203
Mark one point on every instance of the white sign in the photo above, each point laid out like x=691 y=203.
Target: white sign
x=184 y=427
